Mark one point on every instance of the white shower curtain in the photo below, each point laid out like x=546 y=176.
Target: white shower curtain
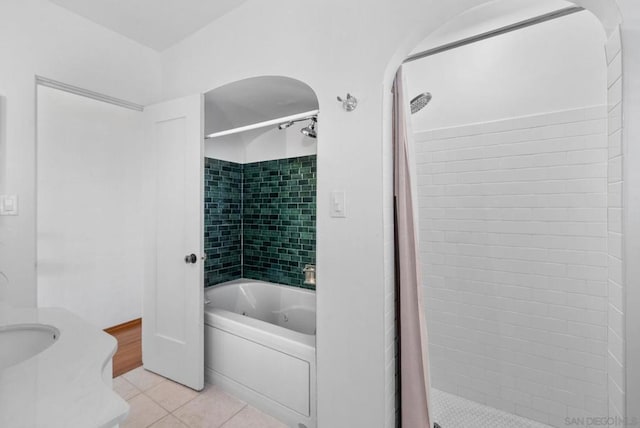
x=412 y=331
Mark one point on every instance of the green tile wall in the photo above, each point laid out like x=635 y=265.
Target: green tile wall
x=222 y=221
x=279 y=219
x=260 y=220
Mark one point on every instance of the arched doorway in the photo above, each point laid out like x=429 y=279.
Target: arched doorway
x=260 y=178
x=611 y=356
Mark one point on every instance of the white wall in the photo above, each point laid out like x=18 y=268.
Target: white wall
x=37 y=37
x=89 y=192
x=631 y=197
x=4 y=285
x=335 y=52
x=487 y=17
x=262 y=145
x=517 y=74
x=343 y=52
x=347 y=51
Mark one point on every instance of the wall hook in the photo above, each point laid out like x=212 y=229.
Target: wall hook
x=350 y=103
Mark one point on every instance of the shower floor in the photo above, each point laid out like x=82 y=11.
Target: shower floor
x=451 y=411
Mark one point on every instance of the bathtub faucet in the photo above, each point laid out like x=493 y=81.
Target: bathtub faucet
x=309 y=274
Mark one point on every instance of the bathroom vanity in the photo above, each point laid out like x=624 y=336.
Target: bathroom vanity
x=55 y=371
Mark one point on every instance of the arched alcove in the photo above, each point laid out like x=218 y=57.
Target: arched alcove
x=254 y=100
x=260 y=184
x=242 y=119
x=491 y=15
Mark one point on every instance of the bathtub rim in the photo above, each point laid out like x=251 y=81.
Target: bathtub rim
x=258 y=330
x=258 y=281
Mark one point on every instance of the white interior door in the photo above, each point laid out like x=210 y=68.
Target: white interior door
x=172 y=323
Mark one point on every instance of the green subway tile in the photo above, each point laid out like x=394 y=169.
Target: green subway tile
x=223 y=211
x=273 y=203
x=278 y=200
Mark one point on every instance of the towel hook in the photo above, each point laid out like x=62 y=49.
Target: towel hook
x=350 y=103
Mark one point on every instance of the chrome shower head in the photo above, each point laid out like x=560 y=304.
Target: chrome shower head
x=420 y=102
x=310 y=130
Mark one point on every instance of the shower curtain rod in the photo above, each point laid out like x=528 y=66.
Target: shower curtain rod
x=498 y=31
x=271 y=122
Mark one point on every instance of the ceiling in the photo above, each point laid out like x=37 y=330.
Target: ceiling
x=157 y=24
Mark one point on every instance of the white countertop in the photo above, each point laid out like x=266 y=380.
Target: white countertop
x=63 y=386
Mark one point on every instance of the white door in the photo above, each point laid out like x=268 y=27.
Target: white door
x=172 y=316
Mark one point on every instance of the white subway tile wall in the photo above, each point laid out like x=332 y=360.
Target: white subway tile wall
x=514 y=239
x=616 y=331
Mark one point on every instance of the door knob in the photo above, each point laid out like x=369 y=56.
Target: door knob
x=191 y=258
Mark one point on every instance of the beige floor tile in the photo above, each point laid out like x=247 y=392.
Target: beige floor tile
x=124 y=388
x=253 y=418
x=144 y=411
x=211 y=409
x=169 y=421
x=143 y=379
x=171 y=395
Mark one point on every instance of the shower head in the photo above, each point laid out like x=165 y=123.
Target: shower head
x=310 y=130
x=420 y=102
x=285 y=125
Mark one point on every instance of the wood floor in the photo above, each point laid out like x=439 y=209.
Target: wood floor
x=129 y=354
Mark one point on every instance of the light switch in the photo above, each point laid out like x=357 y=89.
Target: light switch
x=338 y=204
x=8 y=205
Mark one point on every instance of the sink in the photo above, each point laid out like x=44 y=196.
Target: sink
x=22 y=341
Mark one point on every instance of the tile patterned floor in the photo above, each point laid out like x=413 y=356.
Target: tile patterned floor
x=451 y=411
x=157 y=402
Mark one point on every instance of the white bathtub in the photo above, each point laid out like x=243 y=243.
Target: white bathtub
x=260 y=345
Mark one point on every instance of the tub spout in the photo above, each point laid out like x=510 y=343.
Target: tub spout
x=309 y=274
